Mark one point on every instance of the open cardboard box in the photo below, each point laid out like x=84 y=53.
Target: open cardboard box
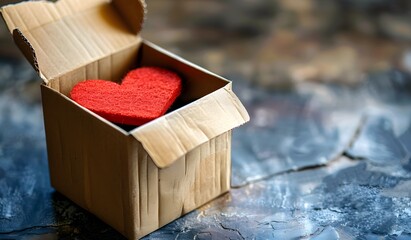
x=138 y=180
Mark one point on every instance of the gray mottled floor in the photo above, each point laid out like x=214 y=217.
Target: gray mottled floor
x=313 y=163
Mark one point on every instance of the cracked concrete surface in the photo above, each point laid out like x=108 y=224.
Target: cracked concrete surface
x=355 y=134
x=331 y=169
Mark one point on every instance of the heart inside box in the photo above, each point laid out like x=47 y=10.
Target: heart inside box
x=196 y=82
x=145 y=94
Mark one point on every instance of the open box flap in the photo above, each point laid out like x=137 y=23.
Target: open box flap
x=59 y=37
x=170 y=137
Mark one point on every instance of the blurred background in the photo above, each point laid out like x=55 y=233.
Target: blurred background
x=279 y=42
x=275 y=43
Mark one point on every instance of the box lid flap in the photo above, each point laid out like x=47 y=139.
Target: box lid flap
x=60 y=37
x=170 y=137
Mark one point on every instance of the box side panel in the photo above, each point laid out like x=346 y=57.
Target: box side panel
x=87 y=159
x=143 y=188
x=149 y=193
x=203 y=174
x=163 y=195
x=226 y=174
x=112 y=68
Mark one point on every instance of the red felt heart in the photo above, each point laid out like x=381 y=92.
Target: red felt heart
x=144 y=94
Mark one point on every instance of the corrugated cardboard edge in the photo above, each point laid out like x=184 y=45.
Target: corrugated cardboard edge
x=172 y=136
x=28 y=51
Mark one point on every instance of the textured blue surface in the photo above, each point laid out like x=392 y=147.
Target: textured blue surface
x=306 y=166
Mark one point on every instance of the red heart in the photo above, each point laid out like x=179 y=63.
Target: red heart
x=144 y=94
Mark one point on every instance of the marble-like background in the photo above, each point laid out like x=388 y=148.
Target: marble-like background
x=326 y=155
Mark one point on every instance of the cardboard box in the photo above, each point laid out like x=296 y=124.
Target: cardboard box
x=138 y=180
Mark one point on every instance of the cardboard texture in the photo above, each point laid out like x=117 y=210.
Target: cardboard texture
x=135 y=181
